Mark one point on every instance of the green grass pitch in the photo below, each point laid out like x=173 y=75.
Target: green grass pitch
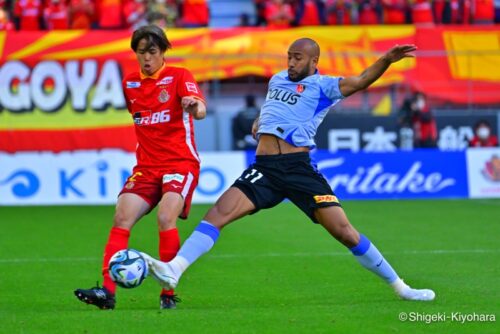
x=272 y=272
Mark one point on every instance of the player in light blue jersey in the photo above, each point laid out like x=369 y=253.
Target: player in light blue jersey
x=296 y=103
x=295 y=108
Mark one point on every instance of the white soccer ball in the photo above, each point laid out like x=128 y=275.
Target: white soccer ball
x=128 y=268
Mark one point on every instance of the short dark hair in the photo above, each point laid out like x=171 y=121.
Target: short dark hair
x=481 y=122
x=250 y=100
x=154 y=35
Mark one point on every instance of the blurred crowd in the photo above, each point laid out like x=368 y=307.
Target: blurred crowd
x=282 y=13
x=418 y=127
x=131 y=14
x=101 y=14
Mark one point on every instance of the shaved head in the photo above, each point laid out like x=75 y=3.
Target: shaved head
x=303 y=56
x=309 y=46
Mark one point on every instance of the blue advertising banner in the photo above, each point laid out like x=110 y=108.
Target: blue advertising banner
x=96 y=177
x=402 y=174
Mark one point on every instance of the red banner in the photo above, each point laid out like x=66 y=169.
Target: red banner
x=62 y=90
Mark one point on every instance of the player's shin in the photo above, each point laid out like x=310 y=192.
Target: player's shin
x=369 y=256
x=169 y=244
x=199 y=242
x=118 y=240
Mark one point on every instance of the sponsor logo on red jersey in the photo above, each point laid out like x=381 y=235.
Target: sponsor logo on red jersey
x=191 y=87
x=142 y=117
x=147 y=117
x=165 y=81
x=133 y=84
x=173 y=178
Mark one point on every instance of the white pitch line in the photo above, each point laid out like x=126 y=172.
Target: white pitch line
x=263 y=255
x=347 y=253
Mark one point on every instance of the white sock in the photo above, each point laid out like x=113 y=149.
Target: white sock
x=199 y=242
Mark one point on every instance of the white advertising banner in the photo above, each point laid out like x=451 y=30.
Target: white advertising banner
x=96 y=177
x=483 y=172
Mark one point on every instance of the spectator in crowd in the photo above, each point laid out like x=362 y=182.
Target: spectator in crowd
x=405 y=125
x=496 y=5
x=244 y=20
x=416 y=123
x=242 y=125
x=82 y=14
x=28 y=15
x=338 y=12
x=483 y=11
x=450 y=11
x=5 y=22
x=423 y=122
x=439 y=8
x=279 y=14
x=310 y=13
x=134 y=13
x=421 y=11
x=163 y=13
x=369 y=12
x=464 y=14
x=56 y=15
x=109 y=14
x=446 y=11
x=395 y=11
x=195 y=13
x=260 y=12
x=483 y=135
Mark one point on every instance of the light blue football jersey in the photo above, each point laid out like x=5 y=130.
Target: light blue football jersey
x=294 y=110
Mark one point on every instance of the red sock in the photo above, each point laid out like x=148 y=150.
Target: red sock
x=118 y=240
x=170 y=244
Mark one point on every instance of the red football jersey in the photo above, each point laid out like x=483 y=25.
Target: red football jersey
x=165 y=133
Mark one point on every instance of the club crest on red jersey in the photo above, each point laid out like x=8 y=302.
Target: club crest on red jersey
x=300 y=88
x=164 y=96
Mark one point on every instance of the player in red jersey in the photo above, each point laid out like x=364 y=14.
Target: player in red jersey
x=162 y=101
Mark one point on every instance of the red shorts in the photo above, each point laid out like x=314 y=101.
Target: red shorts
x=152 y=183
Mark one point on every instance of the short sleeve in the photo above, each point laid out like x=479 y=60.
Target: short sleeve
x=125 y=95
x=330 y=87
x=187 y=86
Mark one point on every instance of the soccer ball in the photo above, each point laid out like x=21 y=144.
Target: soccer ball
x=127 y=268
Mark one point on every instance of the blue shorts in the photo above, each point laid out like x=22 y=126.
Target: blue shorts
x=272 y=178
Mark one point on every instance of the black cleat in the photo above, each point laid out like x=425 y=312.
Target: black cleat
x=168 y=302
x=97 y=296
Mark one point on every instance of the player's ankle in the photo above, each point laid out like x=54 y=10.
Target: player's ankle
x=399 y=285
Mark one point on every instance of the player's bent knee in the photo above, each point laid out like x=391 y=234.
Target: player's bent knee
x=167 y=219
x=122 y=221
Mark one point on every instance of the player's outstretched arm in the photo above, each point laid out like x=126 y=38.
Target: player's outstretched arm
x=351 y=85
x=194 y=106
